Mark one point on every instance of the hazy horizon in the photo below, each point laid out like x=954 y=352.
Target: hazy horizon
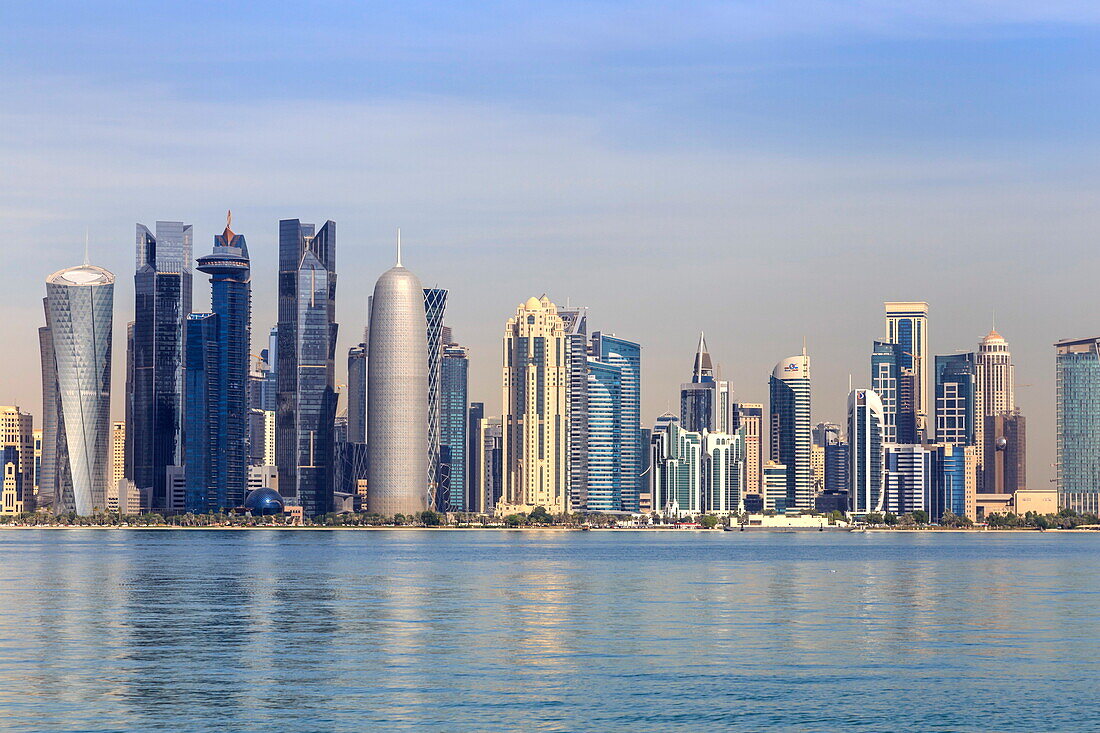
x=763 y=174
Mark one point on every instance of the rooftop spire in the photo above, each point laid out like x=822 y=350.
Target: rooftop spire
x=228 y=233
x=704 y=370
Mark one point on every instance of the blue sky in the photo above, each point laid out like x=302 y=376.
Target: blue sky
x=762 y=171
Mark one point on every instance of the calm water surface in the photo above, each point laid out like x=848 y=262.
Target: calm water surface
x=494 y=630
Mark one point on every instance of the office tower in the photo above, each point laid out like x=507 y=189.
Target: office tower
x=17 y=459
x=257 y=416
x=357 y=393
x=435 y=305
x=951 y=491
x=908 y=478
x=626 y=357
x=866 y=446
x=790 y=427
x=748 y=419
x=37 y=437
x=397 y=395
x=306 y=364
x=453 y=417
x=270 y=359
x=896 y=386
x=605 y=437
x=535 y=381
x=817 y=467
x=907 y=326
x=775 y=487
x=575 y=330
x=645 y=497
x=216 y=397
x=474 y=414
x=960 y=415
x=723 y=472
x=118 y=457
x=826 y=433
x=162 y=301
x=676 y=460
x=1004 y=464
x=489 y=460
x=836 y=468
x=76 y=387
x=998 y=375
x=704 y=401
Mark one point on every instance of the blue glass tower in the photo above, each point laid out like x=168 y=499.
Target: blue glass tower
x=948 y=481
x=790 y=428
x=453 y=425
x=626 y=357
x=306 y=364
x=435 y=305
x=162 y=300
x=217 y=361
x=1077 y=418
x=606 y=439
x=894 y=383
x=959 y=414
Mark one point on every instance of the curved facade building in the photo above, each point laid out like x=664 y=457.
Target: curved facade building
x=866 y=447
x=790 y=428
x=76 y=369
x=397 y=396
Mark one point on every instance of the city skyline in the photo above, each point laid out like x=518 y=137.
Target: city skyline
x=594 y=166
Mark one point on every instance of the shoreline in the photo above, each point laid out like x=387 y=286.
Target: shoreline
x=649 y=530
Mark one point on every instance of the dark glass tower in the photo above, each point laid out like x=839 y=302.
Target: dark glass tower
x=217 y=361
x=357 y=394
x=306 y=364
x=435 y=305
x=453 y=417
x=162 y=300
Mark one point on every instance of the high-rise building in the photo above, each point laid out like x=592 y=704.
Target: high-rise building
x=454 y=387
x=998 y=378
x=960 y=416
x=895 y=384
x=435 y=306
x=723 y=473
x=17 y=459
x=1004 y=463
x=775 y=487
x=866 y=446
x=790 y=428
x=490 y=461
x=118 y=455
x=626 y=357
x=817 y=467
x=834 y=457
x=536 y=383
x=908 y=478
x=217 y=368
x=575 y=329
x=397 y=395
x=951 y=489
x=748 y=419
x=162 y=301
x=676 y=468
x=907 y=326
x=76 y=387
x=705 y=400
x=357 y=394
x=37 y=462
x=1077 y=419
x=826 y=433
x=306 y=364
x=474 y=415
x=605 y=437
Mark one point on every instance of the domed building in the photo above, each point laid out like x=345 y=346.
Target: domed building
x=263 y=502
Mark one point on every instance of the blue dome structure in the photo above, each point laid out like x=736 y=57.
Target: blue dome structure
x=263 y=502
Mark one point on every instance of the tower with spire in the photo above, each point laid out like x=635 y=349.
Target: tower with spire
x=217 y=365
x=705 y=400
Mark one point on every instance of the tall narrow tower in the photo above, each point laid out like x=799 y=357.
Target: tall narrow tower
x=998 y=390
x=790 y=428
x=907 y=326
x=397 y=395
x=306 y=364
x=76 y=388
x=162 y=300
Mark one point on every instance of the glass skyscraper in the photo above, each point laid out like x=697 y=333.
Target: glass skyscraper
x=306 y=366
x=907 y=326
x=453 y=426
x=626 y=357
x=790 y=428
x=435 y=307
x=76 y=389
x=357 y=394
x=960 y=416
x=575 y=326
x=162 y=300
x=1077 y=419
x=605 y=437
x=217 y=369
x=866 y=429
x=895 y=384
x=704 y=401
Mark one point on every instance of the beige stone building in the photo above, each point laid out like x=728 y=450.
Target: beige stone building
x=16 y=459
x=535 y=429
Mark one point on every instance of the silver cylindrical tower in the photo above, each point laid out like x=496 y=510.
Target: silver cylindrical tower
x=397 y=396
x=79 y=305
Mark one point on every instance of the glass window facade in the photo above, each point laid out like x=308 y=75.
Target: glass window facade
x=1077 y=419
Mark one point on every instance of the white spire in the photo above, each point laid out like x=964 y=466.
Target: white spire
x=398 y=246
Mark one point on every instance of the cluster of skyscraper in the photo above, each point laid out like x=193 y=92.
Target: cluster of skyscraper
x=206 y=421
